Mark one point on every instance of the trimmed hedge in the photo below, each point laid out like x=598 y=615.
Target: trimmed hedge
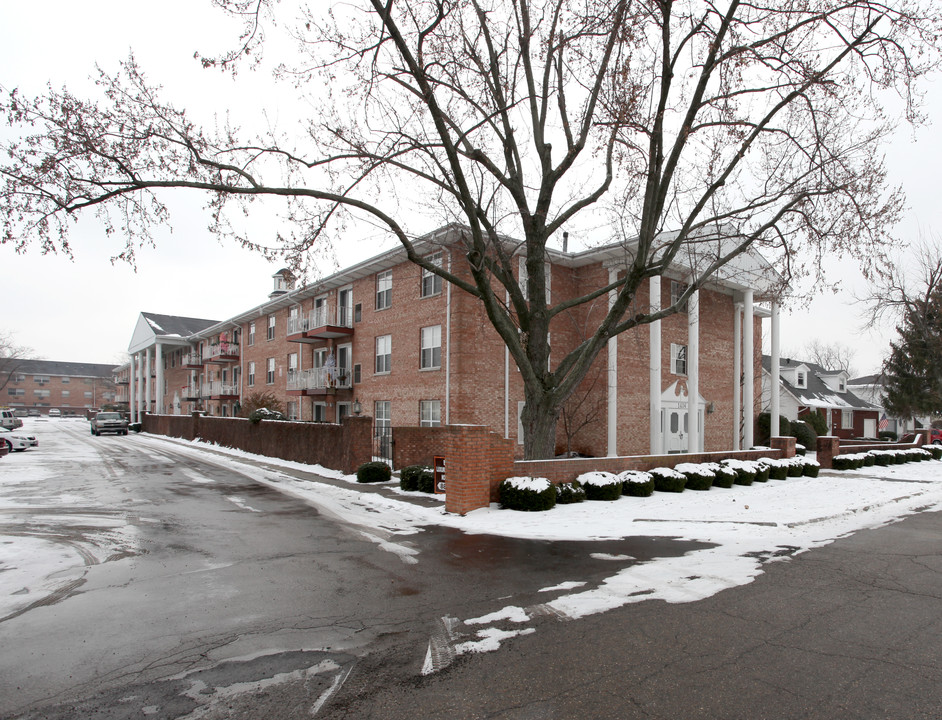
x=527 y=494
x=636 y=483
x=725 y=477
x=667 y=480
x=600 y=485
x=569 y=493
x=409 y=476
x=778 y=470
x=373 y=472
x=745 y=470
x=699 y=477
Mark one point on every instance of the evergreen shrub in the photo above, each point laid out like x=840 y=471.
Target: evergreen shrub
x=600 y=485
x=528 y=494
x=373 y=472
x=668 y=480
x=636 y=483
x=569 y=493
x=698 y=476
x=746 y=470
x=725 y=476
x=409 y=477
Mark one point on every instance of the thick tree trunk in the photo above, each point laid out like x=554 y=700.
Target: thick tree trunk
x=539 y=420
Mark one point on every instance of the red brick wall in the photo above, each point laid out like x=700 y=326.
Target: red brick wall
x=343 y=447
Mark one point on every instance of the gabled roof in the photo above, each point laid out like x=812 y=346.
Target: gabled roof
x=877 y=379
x=169 y=329
x=64 y=369
x=817 y=394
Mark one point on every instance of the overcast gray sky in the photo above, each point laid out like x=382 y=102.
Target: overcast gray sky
x=84 y=310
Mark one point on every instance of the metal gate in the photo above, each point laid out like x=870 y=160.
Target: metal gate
x=383 y=443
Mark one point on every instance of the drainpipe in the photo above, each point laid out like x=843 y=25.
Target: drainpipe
x=448 y=345
x=612 y=370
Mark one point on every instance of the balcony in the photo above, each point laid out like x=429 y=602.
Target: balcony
x=322 y=323
x=218 y=390
x=192 y=360
x=221 y=352
x=320 y=381
x=191 y=392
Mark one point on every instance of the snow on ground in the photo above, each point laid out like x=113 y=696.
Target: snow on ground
x=744 y=526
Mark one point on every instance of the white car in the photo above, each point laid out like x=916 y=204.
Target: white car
x=17 y=441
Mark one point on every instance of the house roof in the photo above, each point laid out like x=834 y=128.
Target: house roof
x=876 y=379
x=64 y=369
x=174 y=326
x=817 y=394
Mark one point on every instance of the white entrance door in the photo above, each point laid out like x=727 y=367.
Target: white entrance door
x=675 y=429
x=870 y=427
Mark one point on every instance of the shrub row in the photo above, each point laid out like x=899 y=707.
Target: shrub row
x=883 y=458
x=524 y=493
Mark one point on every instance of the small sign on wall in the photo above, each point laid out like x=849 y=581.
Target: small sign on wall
x=439 y=471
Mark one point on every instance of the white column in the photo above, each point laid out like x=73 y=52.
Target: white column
x=132 y=401
x=159 y=389
x=654 y=369
x=748 y=360
x=612 y=376
x=147 y=381
x=775 y=408
x=737 y=373
x=140 y=386
x=694 y=435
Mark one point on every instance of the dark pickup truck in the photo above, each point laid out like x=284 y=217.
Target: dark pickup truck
x=105 y=422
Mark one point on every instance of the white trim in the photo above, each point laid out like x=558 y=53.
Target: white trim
x=656 y=432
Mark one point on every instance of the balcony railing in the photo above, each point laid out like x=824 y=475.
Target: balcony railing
x=192 y=392
x=322 y=378
x=222 y=350
x=192 y=359
x=217 y=388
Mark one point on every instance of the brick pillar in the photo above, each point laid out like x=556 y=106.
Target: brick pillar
x=828 y=447
x=785 y=444
x=358 y=442
x=469 y=465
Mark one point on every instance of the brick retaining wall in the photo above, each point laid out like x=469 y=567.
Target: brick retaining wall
x=344 y=447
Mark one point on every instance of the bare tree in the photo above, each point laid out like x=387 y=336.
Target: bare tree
x=12 y=357
x=830 y=356
x=583 y=408
x=736 y=127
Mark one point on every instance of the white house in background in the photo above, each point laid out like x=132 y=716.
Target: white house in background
x=805 y=388
x=872 y=388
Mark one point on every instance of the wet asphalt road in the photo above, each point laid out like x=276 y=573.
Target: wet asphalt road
x=197 y=592
x=203 y=594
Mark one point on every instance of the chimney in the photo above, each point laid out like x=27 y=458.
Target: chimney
x=565 y=241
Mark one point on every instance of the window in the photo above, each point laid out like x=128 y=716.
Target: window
x=66 y=380
x=430 y=413
x=320 y=412
x=431 y=355
x=847 y=419
x=677 y=290
x=65 y=393
x=16 y=391
x=252 y=374
x=251 y=333
x=678 y=359
x=431 y=283
x=292 y=410
x=87 y=394
x=345 y=307
x=800 y=379
x=383 y=290
x=523 y=276
x=292 y=368
x=841 y=385
x=41 y=379
x=270 y=371
x=271 y=327
x=383 y=354
x=382 y=417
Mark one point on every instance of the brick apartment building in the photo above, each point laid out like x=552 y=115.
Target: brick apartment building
x=410 y=349
x=70 y=387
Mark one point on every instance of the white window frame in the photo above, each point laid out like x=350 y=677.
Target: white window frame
x=251 y=373
x=801 y=379
x=678 y=358
x=382 y=414
x=847 y=419
x=430 y=413
x=383 y=364
x=251 y=333
x=677 y=289
x=384 y=281
x=431 y=284
x=292 y=365
x=270 y=332
x=430 y=340
x=270 y=371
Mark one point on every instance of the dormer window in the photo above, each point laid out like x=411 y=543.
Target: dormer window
x=841 y=385
x=801 y=379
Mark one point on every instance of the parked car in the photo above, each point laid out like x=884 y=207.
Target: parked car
x=9 y=420
x=17 y=441
x=935 y=436
x=55 y=412
x=109 y=422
